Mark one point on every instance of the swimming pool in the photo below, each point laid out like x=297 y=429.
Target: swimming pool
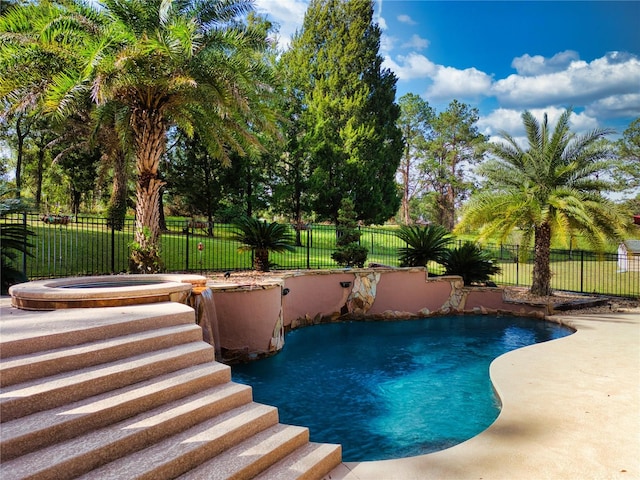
x=391 y=389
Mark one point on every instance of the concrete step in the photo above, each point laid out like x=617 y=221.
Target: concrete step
x=30 y=433
x=23 y=332
x=37 y=395
x=42 y=364
x=133 y=392
x=224 y=408
x=185 y=451
x=311 y=462
x=252 y=456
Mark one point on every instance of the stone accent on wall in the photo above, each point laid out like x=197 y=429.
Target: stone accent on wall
x=456 y=300
x=277 y=339
x=363 y=292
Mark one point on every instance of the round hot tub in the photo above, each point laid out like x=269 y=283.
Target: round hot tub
x=102 y=291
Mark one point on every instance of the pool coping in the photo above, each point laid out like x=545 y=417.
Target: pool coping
x=570 y=409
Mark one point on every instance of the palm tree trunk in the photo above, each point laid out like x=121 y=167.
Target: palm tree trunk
x=541 y=283
x=261 y=259
x=149 y=141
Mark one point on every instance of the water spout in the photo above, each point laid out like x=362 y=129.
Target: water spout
x=207 y=318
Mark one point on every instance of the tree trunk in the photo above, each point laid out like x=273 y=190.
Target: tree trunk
x=297 y=202
x=261 y=259
x=21 y=135
x=541 y=282
x=406 y=217
x=39 y=175
x=149 y=141
x=406 y=179
x=76 y=198
x=118 y=201
x=249 y=186
x=162 y=221
x=450 y=209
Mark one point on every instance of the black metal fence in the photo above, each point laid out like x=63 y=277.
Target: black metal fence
x=65 y=246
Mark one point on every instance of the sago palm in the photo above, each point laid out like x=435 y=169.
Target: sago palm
x=551 y=188
x=424 y=244
x=470 y=262
x=260 y=238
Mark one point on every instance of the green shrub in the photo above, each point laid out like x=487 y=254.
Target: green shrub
x=260 y=238
x=14 y=239
x=349 y=252
x=424 y=244
x=471 y=263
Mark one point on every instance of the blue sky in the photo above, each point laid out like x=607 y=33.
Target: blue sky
x=504 y=57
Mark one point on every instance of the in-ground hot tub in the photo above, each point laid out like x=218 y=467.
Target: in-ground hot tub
x=103 y=291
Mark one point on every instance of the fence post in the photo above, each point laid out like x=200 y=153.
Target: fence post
x=581 y=271
x=517 y=265
x=113 y=250
x=24 y=249
x=308 y=248
x=186 y=251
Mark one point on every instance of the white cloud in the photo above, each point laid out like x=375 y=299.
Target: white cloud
x=627 y=105
x=579 y=83
x=527 y=65
x=501 y=119
x=411 y=66
x=406 y=19
x=288 y=14
x=416 y=42
x=378 y=18
x=510 y=121
x=387 y=44
x=449 y=82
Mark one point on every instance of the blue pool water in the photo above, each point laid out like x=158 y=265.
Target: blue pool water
x=391 y=389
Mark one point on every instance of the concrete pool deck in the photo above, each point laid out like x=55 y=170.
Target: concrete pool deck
x=570 y=410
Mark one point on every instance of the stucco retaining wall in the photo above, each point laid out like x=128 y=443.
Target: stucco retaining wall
x=252 y=319
x=314 y=297
x=249 y=321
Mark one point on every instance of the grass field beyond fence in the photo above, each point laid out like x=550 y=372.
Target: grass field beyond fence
x=87 y=246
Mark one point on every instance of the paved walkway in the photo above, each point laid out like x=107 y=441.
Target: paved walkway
x=571 y=410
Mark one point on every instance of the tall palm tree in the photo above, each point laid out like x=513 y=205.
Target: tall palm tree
x=551 y=188
x=191 y=64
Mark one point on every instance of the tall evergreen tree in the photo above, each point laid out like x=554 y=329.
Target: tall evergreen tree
x=456 y=145
x=415 y=124
x=348 y=113
x=290 y=174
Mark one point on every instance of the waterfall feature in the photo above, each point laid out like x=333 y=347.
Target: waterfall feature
x=207 y=318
